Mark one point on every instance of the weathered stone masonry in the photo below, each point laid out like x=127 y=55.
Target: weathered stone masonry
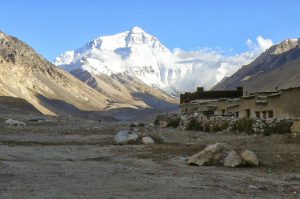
x=278 y=104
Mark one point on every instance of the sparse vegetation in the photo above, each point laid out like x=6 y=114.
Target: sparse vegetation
x=268 y=127
x=174 y=123
x=167 y=120
x=242 y=125
x=219 y=123
x=207 y=124
x=194 y=125
x=265 y=127
x=156 y=121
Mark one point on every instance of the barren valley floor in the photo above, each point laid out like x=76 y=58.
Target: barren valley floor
x=70 y=158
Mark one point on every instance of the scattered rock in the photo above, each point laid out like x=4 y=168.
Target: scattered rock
x=36 y=119
x=233 y=159
x=252 y=187
x=125 y=137
x=250 y=158
x=147 y=140
x=151 y=124
x=211 y=155
x=156 y=137
x=183 y=158
x=137 y=124
x=223 y=154
x=11 y=122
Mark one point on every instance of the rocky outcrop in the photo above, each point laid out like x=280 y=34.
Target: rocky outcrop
x=223 y=154
x=27 y=75
x=250 y=158
x=211 y=155
x=233 y=159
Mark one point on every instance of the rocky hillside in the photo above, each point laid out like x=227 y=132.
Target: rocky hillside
x=27 y=75
x=278 y=67
x=125 y=89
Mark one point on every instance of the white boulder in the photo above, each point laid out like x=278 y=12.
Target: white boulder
x=250 y=158
x=233 y=159
x=125 y=137
x=147 y=140
x=211 y=155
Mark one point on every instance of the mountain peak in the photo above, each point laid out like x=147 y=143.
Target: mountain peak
x=137 y=30
x=134 y=52
x=2 y=35
x=285 y=46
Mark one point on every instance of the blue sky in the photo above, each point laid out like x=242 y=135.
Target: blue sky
x=54 y=26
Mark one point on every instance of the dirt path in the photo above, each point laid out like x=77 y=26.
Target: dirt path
x=73 y=160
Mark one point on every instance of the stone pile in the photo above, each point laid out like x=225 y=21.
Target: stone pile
x=224 y=154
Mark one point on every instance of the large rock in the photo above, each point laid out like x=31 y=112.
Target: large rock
x=233 y=159
x=250 y=158
x=147 y=140
x=156 y=137
x=125 y=137
x=11 y=122
x=137 y=124
x=211 y=155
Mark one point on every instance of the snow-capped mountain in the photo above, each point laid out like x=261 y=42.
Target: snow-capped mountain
x=135 y=53
x=140 y=55
x=26 y=74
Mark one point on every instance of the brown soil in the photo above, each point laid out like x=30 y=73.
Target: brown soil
x=62 y=158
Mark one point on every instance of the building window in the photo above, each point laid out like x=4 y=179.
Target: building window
x=223 y=111
x=257 y=114
x=270 y=114
x=264 y=114
x=248 y=113
x=236 y=114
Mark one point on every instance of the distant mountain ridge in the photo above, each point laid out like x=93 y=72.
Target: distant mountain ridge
x=277 y=68
x=25 y=74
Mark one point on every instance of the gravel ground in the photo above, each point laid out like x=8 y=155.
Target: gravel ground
x=76 y=159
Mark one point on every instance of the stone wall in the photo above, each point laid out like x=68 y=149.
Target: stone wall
x=279 y=104
x=200 y=94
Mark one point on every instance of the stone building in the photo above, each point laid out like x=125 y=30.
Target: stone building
x=277 y=104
